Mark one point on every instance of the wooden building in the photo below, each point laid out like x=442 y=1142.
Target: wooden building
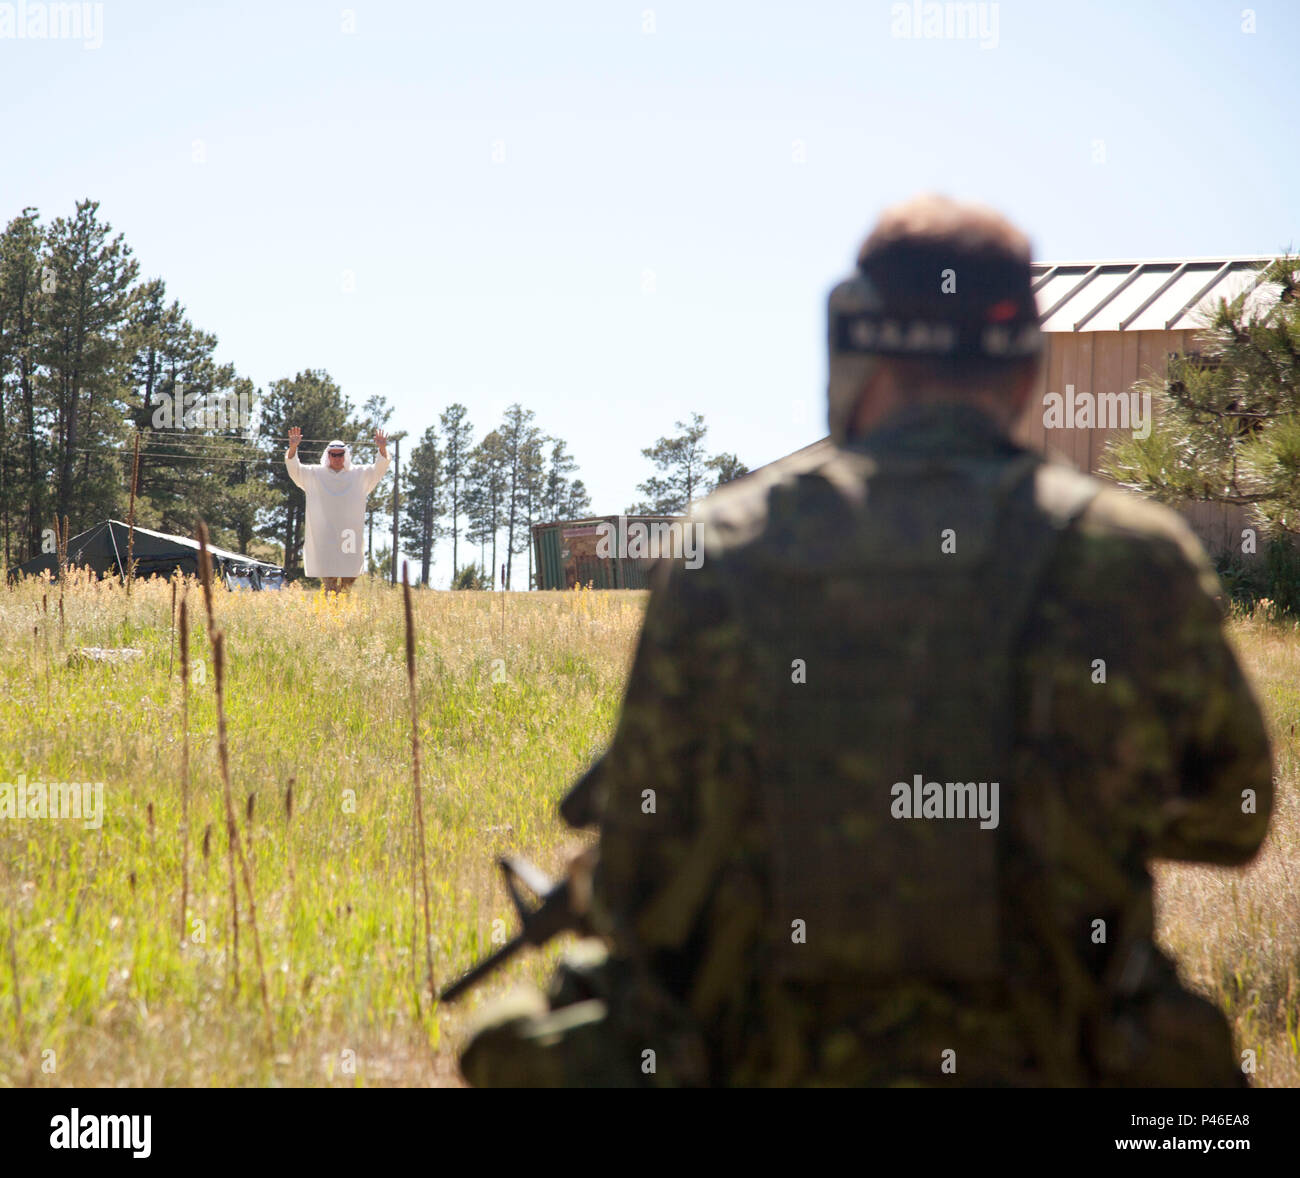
x=1108 y=326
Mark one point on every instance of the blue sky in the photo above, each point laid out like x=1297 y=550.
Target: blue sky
x=617 y=213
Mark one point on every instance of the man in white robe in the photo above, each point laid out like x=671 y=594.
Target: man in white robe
x=336 y=493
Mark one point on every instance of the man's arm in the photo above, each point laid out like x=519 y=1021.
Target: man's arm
x=1135 y=696
x=291 y=462
x=375 y=471
x=1224 y=799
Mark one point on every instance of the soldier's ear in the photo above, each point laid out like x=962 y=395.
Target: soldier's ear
x=1022 y=389
x=876 y=397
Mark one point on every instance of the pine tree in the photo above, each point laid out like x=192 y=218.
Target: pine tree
x=375 y=414
x=556 y=494
x=246 y=496
x=196 y=460
x=422 y=506
x=24 y=446
x=519 y=441
x=577 y=502
x=683 y=464
x=150 y=327
x=533 y=491
x=90 y=275
x=487 y=483
x=1226 y=421
x=380 y=565
x=472 y=576
x=726 y=467
x=458 y=441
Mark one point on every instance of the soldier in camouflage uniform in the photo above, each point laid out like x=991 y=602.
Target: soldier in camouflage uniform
x=892 y=762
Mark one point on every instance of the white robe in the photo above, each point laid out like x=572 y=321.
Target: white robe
x=336 y=514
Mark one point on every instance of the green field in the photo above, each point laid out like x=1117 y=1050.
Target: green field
x=100 y=984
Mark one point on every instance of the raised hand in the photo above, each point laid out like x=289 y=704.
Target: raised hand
x=381 y=440
x=295 y=436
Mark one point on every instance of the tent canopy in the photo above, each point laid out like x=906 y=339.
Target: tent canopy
x=103 y=549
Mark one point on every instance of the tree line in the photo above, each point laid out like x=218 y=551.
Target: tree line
x=93 y=358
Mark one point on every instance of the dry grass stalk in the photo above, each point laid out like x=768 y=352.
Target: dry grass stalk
x=61 y=548
x=291 y=905
x=218 y=640
x=13 y=965
x=185 y=760
x=288 y=833
x=130 y=517
x=419 y=846
x=248 y=828
x=171 y=641
x=36 y=647
x=205 y=576
x=232 y=834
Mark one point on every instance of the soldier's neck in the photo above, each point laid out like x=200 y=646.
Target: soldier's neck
x=951 y=426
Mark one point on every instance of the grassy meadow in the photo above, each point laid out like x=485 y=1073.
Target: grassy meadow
x=316 y=694
x=100 y=984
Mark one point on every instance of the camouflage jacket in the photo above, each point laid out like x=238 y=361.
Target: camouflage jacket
x=1154 y=759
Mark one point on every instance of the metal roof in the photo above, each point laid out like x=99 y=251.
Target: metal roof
x=1165 y=294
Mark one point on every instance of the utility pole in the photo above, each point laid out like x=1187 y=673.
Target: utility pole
x=396 y=439
x=130 y=539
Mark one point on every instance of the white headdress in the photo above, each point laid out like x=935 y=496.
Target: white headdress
x=347 y=454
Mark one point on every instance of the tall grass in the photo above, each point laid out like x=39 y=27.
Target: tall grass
x=419 y=864
x=318 y=705
x=1236 y=932
x=318 y=710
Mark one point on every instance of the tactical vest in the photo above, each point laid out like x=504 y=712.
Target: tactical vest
x=889 y=596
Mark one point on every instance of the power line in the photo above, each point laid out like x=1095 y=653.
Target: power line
x=152 y=444
x=188 y=440
x=233 y=443
x=246 y=441
x=173 y=456
x=221 y=443
x=170 y=457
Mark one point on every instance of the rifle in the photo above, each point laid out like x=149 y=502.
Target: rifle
x=557 y=913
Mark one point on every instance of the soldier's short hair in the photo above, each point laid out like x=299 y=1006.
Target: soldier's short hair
x=956 y=229
x=955 y=260
x=934 y=274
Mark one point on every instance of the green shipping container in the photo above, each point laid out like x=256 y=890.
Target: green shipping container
x=586 y=552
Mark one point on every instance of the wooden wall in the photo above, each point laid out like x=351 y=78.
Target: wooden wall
x=1100 y=362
